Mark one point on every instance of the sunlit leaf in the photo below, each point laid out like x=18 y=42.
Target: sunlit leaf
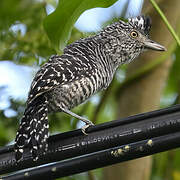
x=58 y=25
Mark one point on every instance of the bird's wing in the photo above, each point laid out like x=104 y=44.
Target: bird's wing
x=57 y=71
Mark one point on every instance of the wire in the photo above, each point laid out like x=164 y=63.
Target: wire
x=101 y=158
x=101 y=138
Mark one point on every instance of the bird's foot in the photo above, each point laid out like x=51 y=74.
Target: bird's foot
x=88 y=122
x=86 y=126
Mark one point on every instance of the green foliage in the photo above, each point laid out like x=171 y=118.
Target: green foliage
x=23 y=48
x=8 y=126
x=173 y=82
x=9 y=15
x=59 y=24
x=166 y=166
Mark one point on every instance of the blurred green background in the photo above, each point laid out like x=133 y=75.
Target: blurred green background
x=152 y=82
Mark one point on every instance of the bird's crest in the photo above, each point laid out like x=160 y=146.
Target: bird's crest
x=141 y=23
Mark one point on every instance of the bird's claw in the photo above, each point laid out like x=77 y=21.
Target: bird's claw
x=85 y=127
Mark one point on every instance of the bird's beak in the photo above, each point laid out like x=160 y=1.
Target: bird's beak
x=149 y=44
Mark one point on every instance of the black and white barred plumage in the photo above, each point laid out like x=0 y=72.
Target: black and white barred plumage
x=86 y=67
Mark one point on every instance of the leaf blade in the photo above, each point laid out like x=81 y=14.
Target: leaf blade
x=58 y=25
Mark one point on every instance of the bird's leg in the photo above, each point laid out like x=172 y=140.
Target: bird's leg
x=88 y=122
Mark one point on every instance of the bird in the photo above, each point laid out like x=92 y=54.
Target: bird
x=86 y=67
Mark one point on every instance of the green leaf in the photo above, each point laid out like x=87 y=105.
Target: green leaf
x=174 y=76
x=59 y=24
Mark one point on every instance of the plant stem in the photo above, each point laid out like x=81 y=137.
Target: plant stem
x=154 y=4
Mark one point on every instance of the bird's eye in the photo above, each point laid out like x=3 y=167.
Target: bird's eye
x=134 y=34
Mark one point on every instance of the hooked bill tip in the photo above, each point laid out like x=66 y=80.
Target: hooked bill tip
x=154 y=45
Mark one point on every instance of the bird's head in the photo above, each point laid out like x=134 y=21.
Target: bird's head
x=139 y=33
x=126 y=40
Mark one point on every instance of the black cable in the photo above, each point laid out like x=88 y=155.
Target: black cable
x=101 y=137
x=100 y=159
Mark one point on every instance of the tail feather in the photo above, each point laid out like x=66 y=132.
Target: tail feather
x=33 y=130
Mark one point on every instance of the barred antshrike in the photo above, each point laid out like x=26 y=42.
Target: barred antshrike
x=86 y=67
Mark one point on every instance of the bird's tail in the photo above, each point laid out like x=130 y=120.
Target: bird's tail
x=33 y=129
